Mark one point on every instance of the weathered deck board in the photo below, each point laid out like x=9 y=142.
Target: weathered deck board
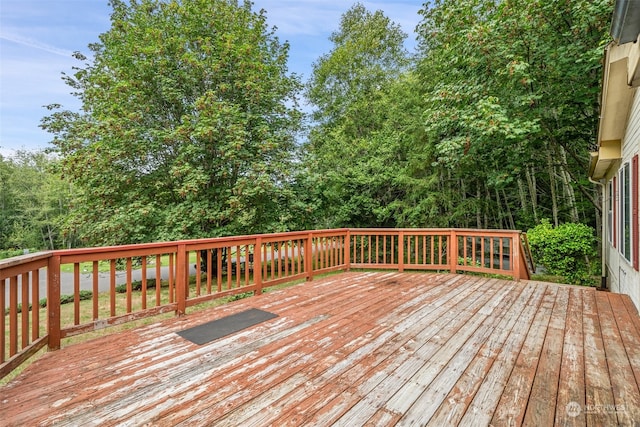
x=598 y=391
x=358 y=349
x=623 y=384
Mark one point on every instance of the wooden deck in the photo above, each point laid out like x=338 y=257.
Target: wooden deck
x=359 y=349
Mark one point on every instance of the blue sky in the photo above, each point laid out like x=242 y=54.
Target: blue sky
x=37 y=38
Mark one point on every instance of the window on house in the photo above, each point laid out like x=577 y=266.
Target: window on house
x=625 y=212
x=610 y=213
x=635 y=220
x=614 y=197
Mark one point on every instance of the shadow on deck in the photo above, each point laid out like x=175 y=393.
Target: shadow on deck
x=359 y=348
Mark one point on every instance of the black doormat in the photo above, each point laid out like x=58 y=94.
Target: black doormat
x=215 y=329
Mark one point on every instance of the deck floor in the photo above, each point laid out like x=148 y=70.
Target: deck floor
x=354 y=349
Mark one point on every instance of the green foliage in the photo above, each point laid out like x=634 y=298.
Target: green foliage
x=10 y=253
x=187 y=126
x=489 y=125
x=136 y=285
x=351 y=156
x=511 y=92
x=565 y=250
x=33 y=204
x=68 y=299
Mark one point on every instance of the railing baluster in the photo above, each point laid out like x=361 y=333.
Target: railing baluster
x=158 y=280
x=182 y=279
x=76 y=293
x=3 y=304
x=95 y=289
x=198 y=272
x=219 y=268
x=24 y=286
x=171 y=277
x=112 y=286
x=208 y=272
x=229 y=268
x=393 y=247
x=257 y=265
x=143 y=289
x=53 y=302
x=129 y=285
x=35 y=303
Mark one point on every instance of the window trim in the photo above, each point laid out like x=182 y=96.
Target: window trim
x=635 y=238
x=626 y=244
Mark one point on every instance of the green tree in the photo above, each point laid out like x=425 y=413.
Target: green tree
x=511 y=91
x=187 y=125
x=350 y=155
x=34 y=203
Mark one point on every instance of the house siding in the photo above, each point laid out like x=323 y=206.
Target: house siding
x=623 y=274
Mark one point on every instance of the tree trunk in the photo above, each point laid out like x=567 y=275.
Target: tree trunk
x=500 y=214
x=552 y=185
x=568 y=189
x=523 y=197
x=533 y=191
x=511 y=222
x=478 y=207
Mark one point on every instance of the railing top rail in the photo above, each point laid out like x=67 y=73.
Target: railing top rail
x=23 y=259
x=231 y=239
x=434 y=230
x=157 y=245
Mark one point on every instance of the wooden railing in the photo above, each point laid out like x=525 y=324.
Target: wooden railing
x=123 y=283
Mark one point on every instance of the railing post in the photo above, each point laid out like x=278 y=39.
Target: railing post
x=452 y=250
x=515 y=250
x=182 y=279
x=257 y=264
x=53 y=302
x=308 y=256
x=347 y=250
x=401 y=251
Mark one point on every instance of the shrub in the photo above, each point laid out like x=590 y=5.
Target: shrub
x=565 y=250
x=8 y=253
x=136 y=285
x=68 y=299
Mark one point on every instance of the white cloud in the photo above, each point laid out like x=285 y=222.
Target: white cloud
x=28 y=42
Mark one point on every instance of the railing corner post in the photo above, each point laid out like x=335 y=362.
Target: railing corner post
x=53 y=302
x=308 y=256
x=347 y=250
x=401 y=251
x=515 y=245
x=257 y=265
x=453 y=251
x=182 y=279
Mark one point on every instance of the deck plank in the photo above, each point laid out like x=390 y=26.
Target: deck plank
x=336 y=397
x=437 y=381
x=598 y=391
x=513 y=401
x=510 y=334
x=625 y=389
x=408 y=381
x=359 y=348
x=571 y=387
x=541 y=407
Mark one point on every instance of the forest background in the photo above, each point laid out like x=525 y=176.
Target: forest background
x=191 y=126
